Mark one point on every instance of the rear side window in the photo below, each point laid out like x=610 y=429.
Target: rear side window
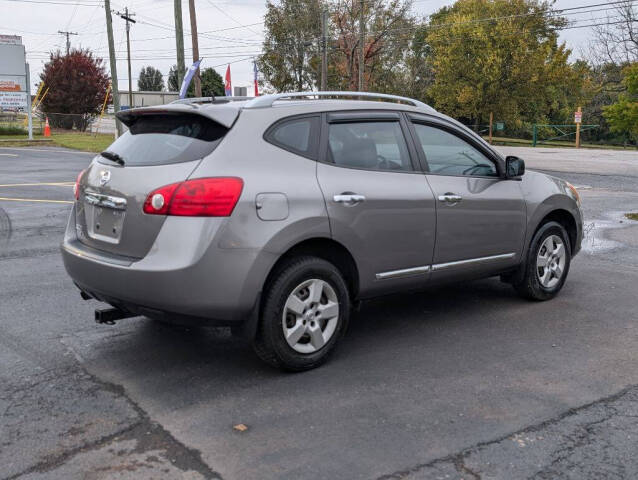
x=369 y=145
x=298 y=135
x=161 y=139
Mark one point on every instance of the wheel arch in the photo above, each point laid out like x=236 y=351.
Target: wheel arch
x=564 y=218
x=327 y=249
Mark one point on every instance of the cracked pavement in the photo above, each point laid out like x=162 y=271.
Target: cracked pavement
x=460 y=382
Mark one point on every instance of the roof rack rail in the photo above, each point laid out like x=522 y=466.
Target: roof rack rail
x=268 y=100
x=213 y=99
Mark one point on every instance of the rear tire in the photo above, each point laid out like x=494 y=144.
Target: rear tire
x=304 y=313
x=547 y=263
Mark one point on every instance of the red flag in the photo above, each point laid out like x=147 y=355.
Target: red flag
x=228 y=87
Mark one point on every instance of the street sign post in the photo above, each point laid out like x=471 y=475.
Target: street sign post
x=578 y=118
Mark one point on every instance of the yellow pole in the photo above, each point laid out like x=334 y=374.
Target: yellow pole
x=35 y=100
x=578 y=128
x=99 y=120
x=37 y=95
x=41 y=99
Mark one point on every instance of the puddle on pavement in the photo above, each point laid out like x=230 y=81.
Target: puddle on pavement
x=595 y=239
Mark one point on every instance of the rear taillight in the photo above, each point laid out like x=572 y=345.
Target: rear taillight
x=76 y=187
x=202 y=197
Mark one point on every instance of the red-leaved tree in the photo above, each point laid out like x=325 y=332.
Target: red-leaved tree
x=77 y=85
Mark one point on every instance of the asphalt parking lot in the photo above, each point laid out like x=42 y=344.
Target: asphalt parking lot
x=462 y=382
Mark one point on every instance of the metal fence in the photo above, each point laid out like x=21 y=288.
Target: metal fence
x=15 y=124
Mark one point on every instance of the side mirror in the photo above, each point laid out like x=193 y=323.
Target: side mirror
x=514 y=167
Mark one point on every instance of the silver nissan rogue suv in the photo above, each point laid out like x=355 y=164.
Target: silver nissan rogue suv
x=274 y=215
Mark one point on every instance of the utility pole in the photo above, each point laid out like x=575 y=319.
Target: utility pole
x=362 y=40
x=112 y=61
x=68 y=41
x=324 y=50
x=179 y=42
x=196 y=78
x=127 y=17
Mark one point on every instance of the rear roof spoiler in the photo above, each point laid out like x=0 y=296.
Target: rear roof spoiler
x=223 y=114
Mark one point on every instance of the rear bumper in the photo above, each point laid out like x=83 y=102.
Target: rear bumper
x=180 y=279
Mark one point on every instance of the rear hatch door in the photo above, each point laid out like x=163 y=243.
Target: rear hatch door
x=162 y=146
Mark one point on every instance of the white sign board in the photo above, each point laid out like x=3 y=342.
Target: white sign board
x=578 y=117
x=13 y=101
x=15 y=90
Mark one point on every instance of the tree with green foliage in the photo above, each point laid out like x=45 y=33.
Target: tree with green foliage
x=623 y=115
x=150 y=80
x=512 y=66
x=172 y=82
x=290 y=59
x=212 y=83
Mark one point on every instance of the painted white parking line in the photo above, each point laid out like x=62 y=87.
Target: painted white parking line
x=48 y=184
x=8 y=199
x=29 y=149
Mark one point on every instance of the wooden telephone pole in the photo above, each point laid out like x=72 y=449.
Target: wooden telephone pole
x=68 y=40
x=324 y=50
x=179 y=42
x=113 y=63
x=197 y=82
x=362 y=41
x=127 y=17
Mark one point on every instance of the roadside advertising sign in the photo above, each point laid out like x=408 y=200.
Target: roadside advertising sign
x=12 y=83
x=14 y=101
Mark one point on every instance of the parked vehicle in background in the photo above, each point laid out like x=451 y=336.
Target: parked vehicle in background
x=274 y=215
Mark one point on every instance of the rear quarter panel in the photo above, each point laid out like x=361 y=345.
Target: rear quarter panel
x=265 y=169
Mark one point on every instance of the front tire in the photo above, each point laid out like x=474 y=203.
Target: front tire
x=547 y=263
x=304 y=314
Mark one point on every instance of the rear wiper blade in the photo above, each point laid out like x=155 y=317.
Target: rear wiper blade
x=113 y=156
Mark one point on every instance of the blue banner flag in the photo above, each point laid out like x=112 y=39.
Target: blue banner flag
x=188 y=77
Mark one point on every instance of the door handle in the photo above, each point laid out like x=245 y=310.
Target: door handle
x=349 y=198
x=450 y=198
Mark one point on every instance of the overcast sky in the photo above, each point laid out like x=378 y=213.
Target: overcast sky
x=153 y=39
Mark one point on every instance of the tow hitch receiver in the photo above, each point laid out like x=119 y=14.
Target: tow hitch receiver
x=108 y=316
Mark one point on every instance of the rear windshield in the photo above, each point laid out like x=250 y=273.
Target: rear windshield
x=160 y=139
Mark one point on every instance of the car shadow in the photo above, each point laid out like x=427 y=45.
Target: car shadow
x=208 y=362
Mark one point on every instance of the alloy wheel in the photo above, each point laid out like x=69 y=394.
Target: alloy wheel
x=550 y=262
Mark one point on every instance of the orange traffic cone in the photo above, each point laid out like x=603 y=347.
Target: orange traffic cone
x=47 y=129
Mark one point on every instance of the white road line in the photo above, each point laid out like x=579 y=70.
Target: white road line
x=48 y=184
x=8 y=154
x=8 y=199
x=29 y=149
